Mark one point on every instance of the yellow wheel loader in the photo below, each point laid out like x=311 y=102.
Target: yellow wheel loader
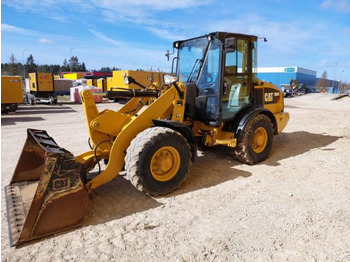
x=214 y=99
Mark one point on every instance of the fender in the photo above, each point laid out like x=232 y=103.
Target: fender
x=184 y=130
x=249 y=114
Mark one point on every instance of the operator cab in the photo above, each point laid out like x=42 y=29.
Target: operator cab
x=218 y=70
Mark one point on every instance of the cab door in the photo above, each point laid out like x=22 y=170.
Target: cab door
x=236 y=76
x=207 y=103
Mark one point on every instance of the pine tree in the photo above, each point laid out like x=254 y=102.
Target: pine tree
x=83 y=67
x=30 y=66
x=322 y=83
x=13 y=68
x=65 y=66
x=74 y=64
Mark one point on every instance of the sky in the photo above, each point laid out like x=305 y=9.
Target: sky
x=131 y=34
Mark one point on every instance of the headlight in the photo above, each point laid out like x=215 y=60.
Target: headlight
x=169 y=79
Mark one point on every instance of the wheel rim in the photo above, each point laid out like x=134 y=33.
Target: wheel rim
x=259 y=140
x=165 y=163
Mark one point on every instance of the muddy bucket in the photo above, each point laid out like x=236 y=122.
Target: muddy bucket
x=47 y=192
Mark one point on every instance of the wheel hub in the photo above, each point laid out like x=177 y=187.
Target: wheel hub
x=165 y=163
x=259 y=139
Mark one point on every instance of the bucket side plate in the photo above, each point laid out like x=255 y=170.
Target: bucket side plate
x=46 y=196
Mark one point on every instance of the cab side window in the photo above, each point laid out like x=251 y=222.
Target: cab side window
x=235 y=91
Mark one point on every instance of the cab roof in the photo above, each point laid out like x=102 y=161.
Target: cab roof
x=218 y=34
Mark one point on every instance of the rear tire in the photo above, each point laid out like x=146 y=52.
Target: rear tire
x=257 y=141
x=158 y=160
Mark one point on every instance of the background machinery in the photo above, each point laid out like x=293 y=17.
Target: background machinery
x=294 y=88
x=42 y=88
x=102 y=83
x=144 y=78
x=214 y=99
x=11 y=93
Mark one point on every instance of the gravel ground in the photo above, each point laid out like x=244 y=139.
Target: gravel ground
x=295 y=206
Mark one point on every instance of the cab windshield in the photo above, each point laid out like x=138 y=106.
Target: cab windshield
x=191 y=56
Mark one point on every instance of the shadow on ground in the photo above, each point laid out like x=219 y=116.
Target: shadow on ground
x=36 y=107
x=288 y=145
x=117 y=199
x=24 y=114
x=217 y=164
x=25 y=110
x=13 y=120
x=214 y=166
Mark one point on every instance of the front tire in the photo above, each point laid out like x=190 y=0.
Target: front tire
x=158 y=160
x=257 y=141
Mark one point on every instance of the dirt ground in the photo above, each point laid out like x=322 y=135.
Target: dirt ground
x=295 y=206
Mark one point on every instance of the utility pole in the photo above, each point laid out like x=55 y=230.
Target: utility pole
x=70 y=59
x=335 y=71
x=339 y=86
x=24 y=69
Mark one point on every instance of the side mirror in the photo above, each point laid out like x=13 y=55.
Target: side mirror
x=169 y=79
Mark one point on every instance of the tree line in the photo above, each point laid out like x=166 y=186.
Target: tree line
x=13 y=67
x=73 y=65
x=323 y=84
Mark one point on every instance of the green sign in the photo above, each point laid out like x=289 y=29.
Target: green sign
x=289 y=69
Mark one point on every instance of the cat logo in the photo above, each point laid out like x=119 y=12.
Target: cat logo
x=61 y=183
x=271 y=96
x=268 y=97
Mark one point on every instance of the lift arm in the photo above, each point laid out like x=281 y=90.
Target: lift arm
x=113 y=131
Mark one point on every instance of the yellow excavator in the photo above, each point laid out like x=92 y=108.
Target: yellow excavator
x=213 y=99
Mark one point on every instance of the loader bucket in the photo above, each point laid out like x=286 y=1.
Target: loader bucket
x=47 y=192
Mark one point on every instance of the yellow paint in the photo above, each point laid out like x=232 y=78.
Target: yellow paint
x=274 y=108
x=282 y=120
x=277 y=109
x=259 y=140
x=73 y=76
x=41 y=82
x=91 y=113
x=91 y=82
x=111 y=83
x=214 y=135
x=118 y=128
x=88 y=159
x=178 y=108
x=102 y=83
x=145 y=78
x=11 y=90
x=165 y=163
